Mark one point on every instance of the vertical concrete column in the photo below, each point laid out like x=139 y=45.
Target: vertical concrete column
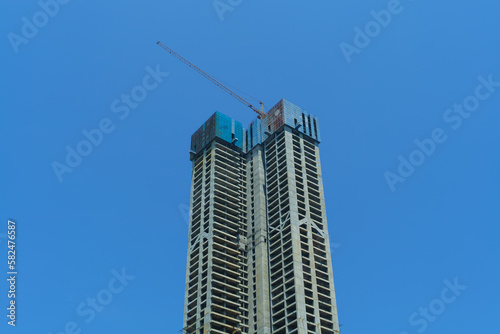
x=261 y=246
x=296 y=248
x=210 y=190
x=188 y=261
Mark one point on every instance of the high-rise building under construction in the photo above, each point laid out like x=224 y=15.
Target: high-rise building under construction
x=259 y=255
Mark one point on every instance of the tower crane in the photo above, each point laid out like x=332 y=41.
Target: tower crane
x=213 y=80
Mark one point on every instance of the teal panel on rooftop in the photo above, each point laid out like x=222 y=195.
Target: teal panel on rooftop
x=223 y=126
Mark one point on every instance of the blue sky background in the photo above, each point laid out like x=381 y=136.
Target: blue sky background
x=124 y=205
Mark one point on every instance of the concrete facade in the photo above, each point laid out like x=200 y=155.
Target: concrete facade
x=259 y=256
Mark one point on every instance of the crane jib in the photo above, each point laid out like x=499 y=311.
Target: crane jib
x=212 y=79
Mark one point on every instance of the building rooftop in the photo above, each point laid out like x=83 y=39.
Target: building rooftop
x=231 y=131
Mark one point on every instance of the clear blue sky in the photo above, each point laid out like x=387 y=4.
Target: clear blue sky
x=123 y=205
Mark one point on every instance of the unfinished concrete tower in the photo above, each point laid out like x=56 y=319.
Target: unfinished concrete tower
x=259 y=254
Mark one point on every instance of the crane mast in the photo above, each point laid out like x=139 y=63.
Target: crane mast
x=213 y=80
